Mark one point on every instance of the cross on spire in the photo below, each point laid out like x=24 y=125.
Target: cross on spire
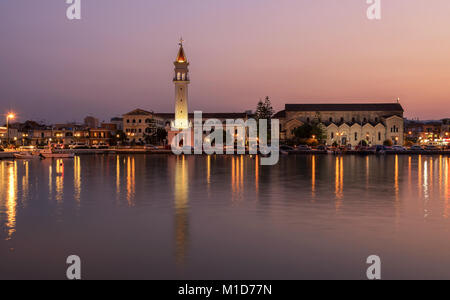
x=181 y=41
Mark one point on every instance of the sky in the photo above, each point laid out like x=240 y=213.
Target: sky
x=120 y=55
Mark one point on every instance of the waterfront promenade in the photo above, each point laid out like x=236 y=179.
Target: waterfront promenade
x=10 y=154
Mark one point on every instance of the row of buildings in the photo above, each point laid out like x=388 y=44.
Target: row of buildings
x=426 y=132
x=342 y=124
x=32 y=133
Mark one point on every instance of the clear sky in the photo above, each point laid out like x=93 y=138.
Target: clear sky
x=120 y=55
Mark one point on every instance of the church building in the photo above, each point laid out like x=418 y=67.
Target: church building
x=347 y=124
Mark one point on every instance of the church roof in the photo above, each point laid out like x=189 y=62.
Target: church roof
x=280 y=114
x=346 y=107
x=208 y=115
x=181 y=57
x=139 y=112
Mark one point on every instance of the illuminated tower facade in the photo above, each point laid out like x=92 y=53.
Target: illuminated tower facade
x=181 y=81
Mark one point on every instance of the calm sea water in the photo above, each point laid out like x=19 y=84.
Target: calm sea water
x=167 y=217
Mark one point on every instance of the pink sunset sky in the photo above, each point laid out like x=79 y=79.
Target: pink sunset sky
x=120 y=55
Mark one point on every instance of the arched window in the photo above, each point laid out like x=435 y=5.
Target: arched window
x=178 y=76
x=342 y=120
x=183 y=76
x=331 y=119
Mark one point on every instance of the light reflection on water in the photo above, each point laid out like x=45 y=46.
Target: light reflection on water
x=178 y=211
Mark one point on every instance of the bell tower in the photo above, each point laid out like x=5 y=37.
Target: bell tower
x=181 y=81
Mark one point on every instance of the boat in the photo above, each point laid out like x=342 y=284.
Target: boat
x=50 y=153
x=26 y=155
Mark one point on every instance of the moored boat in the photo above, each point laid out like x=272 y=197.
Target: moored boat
x=26 y=155
x=50 y=153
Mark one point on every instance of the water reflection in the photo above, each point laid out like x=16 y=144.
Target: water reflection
x=425 y=180
x=396 y=185
x=25 y=183
x=419 y=171
x=376 y=195
x=367 y=172
x=208 y=170
x=77 y=179
x=131 y=180
x=181 y=189
x=257 y=174
x=118 y=177
x=339 y=181
x=313 y=176
x=50 y=181
x=446 y=187
x=237 y=176
x=409 y=172
x=11 y=200
x=59 y=180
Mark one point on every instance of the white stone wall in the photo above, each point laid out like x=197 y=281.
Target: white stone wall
x=395 y=130
x=345 y=134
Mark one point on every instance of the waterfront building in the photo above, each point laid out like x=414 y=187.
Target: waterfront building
x=428 y=132
x=118 y=122
x=69 y=134
x=100 y=136
x=445 y=129
x=140 y=124
x=346 y=124
x=91 y=122
x=13 y=135
x=110 y=126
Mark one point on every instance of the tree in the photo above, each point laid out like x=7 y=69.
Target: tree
x=310 y=131
x=161 y=134
x=264 y=110
x=387 y=143
x=119 y=138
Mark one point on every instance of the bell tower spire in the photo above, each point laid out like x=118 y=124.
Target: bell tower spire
x=181 y=81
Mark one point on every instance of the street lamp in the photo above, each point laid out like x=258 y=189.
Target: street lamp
x=8 y=117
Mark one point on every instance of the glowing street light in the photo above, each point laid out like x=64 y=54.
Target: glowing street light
x=9 y=116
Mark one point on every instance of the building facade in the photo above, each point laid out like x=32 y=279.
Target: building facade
x=14 y=135
x=347 y=124
x=140 y=124
x=118 y=122
x=91 y=122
